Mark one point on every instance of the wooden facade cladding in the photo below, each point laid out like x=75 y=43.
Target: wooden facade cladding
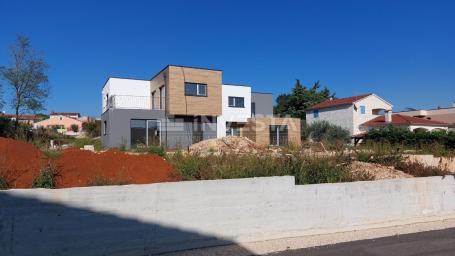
x=177 y=103
x=258 y=129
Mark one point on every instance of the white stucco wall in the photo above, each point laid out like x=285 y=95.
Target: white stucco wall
x=428 y=128
x=231 y=114
x=129 y=93
x=341 y=116
x=371 y=102
x=349 y=117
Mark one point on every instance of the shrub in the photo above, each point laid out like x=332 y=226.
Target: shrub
x=46 y=178
x=417 y=169
x=425 y=141
x=74 y=128
x=92 y=128
x=327 y=133
x=3 y=183
x=157 y=150
x=307 y=170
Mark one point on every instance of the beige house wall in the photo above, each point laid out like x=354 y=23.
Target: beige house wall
x=258 y=129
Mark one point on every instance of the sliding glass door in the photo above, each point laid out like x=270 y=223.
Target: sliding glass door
x=145 y=133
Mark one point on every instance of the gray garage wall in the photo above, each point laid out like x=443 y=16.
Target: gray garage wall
x=147 y=219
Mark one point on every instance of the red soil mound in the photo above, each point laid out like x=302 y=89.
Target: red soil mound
x=78 y=168
x=20 y=162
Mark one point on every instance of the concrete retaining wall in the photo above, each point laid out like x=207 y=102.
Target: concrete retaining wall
x=155 y=218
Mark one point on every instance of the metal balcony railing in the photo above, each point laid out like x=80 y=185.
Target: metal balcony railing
x=135 y=102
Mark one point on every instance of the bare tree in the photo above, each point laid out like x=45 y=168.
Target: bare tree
x=27 y=79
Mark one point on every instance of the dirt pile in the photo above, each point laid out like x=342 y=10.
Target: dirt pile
x=78 y=168
x=376 y=171
x=20 y=162
x=226 y=145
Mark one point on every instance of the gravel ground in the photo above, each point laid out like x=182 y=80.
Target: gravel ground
x=271 y=246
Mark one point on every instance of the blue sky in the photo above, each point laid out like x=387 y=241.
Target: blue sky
x=401 y=50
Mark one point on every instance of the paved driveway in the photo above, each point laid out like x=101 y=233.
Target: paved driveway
x=431 y=243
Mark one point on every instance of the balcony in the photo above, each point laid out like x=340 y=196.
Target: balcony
x=135 y=102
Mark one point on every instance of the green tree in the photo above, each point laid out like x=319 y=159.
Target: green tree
x=27 y=79
x=301 y=98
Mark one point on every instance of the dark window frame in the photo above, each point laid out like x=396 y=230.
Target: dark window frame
x=198 y=86
x=234 y=105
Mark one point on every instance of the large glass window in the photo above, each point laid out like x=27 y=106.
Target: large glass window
x=195 y=89
x=145 y=133
x=236 y=102
x=233 y=131
x=162 y=97
x=362 y=110
x=253 y=109
x=278 y=135
x=138 y=133
x=153 y=100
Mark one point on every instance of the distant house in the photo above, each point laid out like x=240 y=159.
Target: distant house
x=445 y=115
x=409 y=122
x=349 y=113
x=63 y=122
x=28 y=119
x=73 y=115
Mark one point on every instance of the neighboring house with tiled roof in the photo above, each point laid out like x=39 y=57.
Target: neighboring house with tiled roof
x=74 y=115
x=441 y=114
x=63 y=124
x=399 y=120
x=349 y=112
x=29 y=119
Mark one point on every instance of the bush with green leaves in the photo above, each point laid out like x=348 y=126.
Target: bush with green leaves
x=305 y=169
x=157 y=150
x=3 y=183
x=325 y=132
x=46 y=177
x=92 y=128
x=420 y=140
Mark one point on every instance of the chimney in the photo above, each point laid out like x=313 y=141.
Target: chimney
x=388 y=116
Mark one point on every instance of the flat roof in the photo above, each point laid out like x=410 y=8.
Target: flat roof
x=182 y=66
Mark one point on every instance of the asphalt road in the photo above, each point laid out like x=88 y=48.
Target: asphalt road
x=431 y=243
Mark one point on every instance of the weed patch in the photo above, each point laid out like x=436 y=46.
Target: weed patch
x=46 y=178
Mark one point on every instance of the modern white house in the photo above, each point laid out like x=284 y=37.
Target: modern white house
x=183 y=105
x=349 y=113
x=126 y=93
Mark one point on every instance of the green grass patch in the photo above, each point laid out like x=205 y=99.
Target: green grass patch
x=101 y=181
x=306 y=170
x=81 y=142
